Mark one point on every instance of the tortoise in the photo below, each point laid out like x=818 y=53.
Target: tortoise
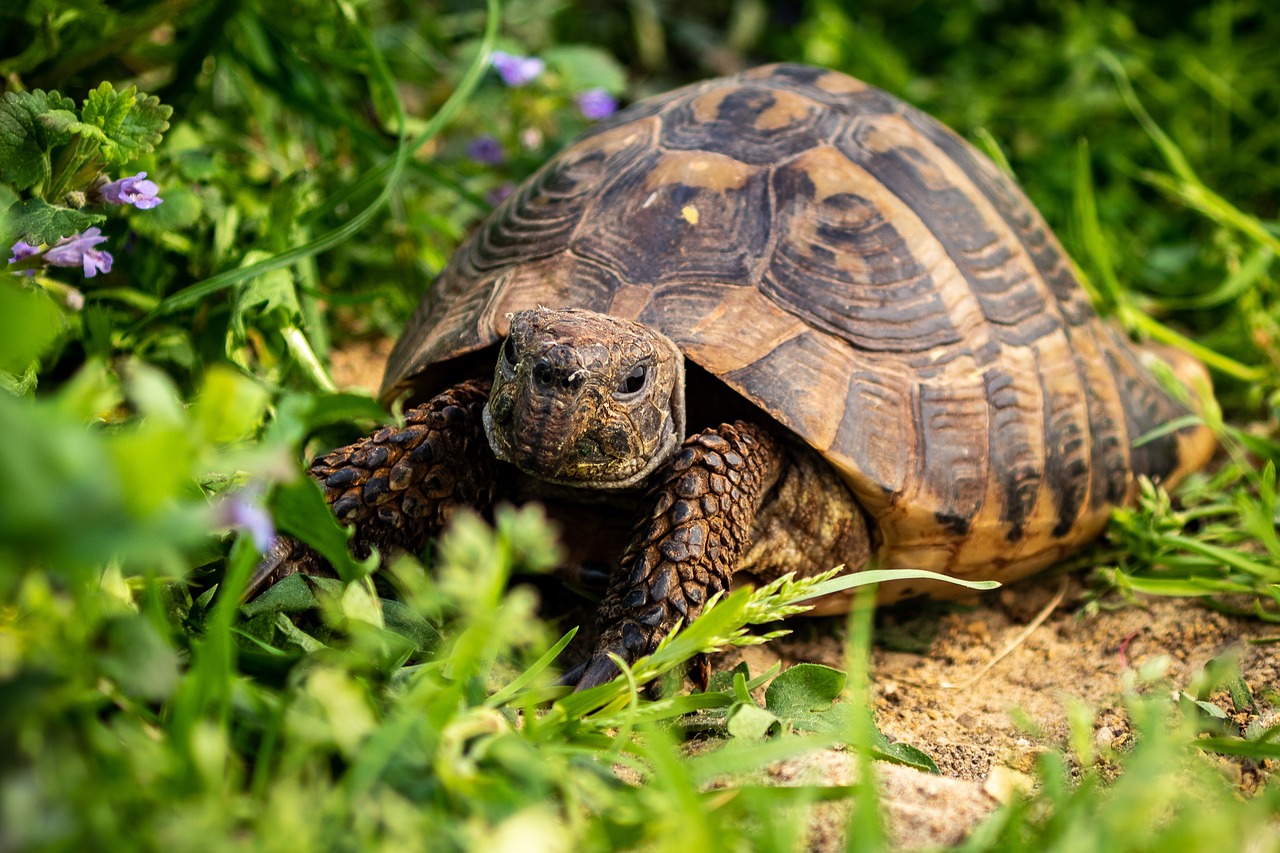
x=877 y=349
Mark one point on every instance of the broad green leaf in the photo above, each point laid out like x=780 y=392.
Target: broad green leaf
x=408 y=623
x=291 y=594
x=153 y=465
x=297 y=415
x=752 y=722
x=230 y=405
x=804 y=687
x=723 y=681
x=29 y=323
x=300 y=510
x=137 y=658
x=583 y=67
x=155 y=395
x=902 y=753
x=106 y=108
x=359 y=604
x=25 y=141
x=40 y=222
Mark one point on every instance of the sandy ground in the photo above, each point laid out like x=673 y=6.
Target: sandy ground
x=973 y=670
x=955 y=701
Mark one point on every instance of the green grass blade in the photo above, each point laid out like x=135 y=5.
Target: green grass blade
x=526 y=678
x=386 y=173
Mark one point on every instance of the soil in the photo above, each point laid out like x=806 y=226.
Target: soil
x=985 y=689
x=985 y=720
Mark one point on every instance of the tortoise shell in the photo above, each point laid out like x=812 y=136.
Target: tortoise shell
x=862 y=275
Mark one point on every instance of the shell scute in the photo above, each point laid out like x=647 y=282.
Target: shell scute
x=842 y=264
x=645 y=219
x=755 y=124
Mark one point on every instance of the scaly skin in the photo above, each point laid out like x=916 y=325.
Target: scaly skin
x=688 y=538
x=401 y=485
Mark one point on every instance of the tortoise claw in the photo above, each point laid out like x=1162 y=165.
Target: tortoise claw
x=285 y=556
x=569 y=677
x=600 y=669
x=594 y=576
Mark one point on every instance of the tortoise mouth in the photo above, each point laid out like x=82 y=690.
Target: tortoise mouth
x=581 y=463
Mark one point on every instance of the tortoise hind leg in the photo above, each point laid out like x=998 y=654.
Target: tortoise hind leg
x=400 y=485
x=1195 y=444
x=689 y=536
x=1148 y=408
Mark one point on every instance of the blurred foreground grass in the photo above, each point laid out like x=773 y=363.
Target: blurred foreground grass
x=321 y=161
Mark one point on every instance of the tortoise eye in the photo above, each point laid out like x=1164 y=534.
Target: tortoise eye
x=635 y=380
x=509 y=353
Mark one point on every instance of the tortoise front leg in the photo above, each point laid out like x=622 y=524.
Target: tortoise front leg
x=401 y=485
x=688 y=539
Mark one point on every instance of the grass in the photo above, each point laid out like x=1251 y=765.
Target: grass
x=315 y=175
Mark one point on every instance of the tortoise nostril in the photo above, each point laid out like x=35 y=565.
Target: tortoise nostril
x=543 y=375
x=548 y=378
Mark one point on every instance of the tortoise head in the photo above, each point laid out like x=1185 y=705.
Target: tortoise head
x=584 y=399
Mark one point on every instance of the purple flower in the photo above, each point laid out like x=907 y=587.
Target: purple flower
x=498 y=195
x=78 y=251
x=23 y=249
x=517 y=70
x=136 y=191
x=486 y=150
x=244 y=512
x=597 y=104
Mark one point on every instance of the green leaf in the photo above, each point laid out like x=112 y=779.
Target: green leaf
x=751 y=722
x=230 y=406
x=291 y=594
x=408 y=623
x=272 y=292
x=723 y=681
x=746 y=756
x=131 y=123
x=300 y=510
x=804 y=687
x=1257 y=749
x=294 y=637
x=60 y=124
x=902 y=753
x=29 y=323
x=25 y=140
x=583 y=67
x=1207 y=709
x=138 y=658
x=297 y=415
x=40 y=222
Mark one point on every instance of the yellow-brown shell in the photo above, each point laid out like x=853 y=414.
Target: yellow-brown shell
x=864 y=276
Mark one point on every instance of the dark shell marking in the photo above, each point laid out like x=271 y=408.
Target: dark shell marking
x=864 y=276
